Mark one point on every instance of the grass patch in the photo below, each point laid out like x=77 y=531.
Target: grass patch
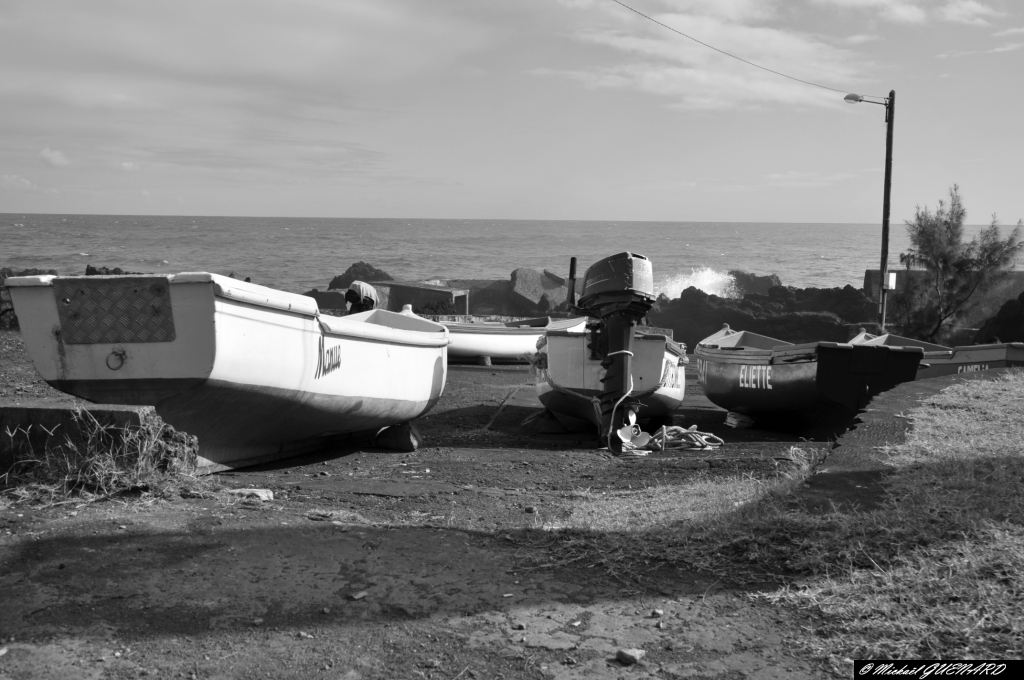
x=94 y=461
x=936 y=572
x=633 y=533
x=947 y=551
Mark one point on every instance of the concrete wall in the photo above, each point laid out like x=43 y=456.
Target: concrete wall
x=1013 y=287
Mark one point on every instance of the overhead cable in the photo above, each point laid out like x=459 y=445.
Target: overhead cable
x=700 y=42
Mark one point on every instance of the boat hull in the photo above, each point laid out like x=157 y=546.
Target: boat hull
x=253 y=373
x=939 y=360
x=970 y=359
x=506 y=343
x=569 y=382
x=801 y=382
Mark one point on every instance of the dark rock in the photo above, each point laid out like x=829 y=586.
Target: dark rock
x=404 y=438
x=694 y=315
x=106 y=271
x=848 y=303
x=437 y=307
x=1006 y=326
x=747 y=283
x=535 y=292
x=360 y=271
x=330 y=299
x=488 y=297
x=628 y=657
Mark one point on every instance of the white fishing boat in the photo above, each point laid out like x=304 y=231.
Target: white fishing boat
x=506 y=341
x=570 y=377
x=253 y=372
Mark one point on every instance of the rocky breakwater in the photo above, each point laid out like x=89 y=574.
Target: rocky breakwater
x=527 y=292
x=1006 y=326
x=746 y=283
x=790 y=314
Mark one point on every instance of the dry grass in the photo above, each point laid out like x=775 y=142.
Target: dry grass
x=650 y=509
x=633 y=533
x=947 y=550
x=94 y=461
x=935 y=573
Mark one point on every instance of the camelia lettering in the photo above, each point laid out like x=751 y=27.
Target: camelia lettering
x=971 y=368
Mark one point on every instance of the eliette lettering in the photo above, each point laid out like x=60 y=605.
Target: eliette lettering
x=756 y=377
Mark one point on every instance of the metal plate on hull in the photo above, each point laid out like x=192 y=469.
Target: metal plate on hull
x=114 y=310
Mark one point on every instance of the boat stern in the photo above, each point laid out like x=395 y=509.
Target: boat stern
x=116 y=339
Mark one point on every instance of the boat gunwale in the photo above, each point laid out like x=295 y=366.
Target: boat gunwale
x=368 y=331
x=784 y=354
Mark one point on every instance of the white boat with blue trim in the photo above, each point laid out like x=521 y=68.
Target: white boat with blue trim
x=253 y=372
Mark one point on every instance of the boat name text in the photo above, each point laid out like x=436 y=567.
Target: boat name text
x=328 y=359
x=756 y=377
x=971 y=368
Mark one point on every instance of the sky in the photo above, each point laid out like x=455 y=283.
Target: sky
x=509 y=109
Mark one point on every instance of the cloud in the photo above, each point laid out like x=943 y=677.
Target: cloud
x=794 y=179
x=860 y=39
x=969 y=12
x=219 y=86
x=130 y=166
x=730 y=10
x=1009 y=47
x=897 y=11
x=1009 y=31
x=695 y=77
x=16 y=183
x=55 y=158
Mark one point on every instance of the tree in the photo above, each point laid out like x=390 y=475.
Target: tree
x=933 y=305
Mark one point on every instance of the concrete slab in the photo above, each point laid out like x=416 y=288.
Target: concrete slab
x=38 y=423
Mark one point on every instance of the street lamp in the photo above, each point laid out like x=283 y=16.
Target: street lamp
x=890 y=109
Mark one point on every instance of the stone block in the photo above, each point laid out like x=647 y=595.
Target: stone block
x=38 y=426
x=328 y=299
x=536 y=291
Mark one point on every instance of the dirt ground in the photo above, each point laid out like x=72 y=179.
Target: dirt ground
x=375 y=564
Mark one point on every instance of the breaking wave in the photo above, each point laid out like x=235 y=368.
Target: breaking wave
x=709 y=280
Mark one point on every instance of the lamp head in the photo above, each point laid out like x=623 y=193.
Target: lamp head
x=853 y=98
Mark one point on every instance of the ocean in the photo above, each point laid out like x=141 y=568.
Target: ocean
x=297 y=254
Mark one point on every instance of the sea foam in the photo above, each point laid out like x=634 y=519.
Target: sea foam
x=711 y=281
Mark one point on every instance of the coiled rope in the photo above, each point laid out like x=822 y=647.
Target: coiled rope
x=674 y=438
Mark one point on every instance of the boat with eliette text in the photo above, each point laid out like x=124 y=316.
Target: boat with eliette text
x=253 y=372
x=940 y=360
x=766 y=378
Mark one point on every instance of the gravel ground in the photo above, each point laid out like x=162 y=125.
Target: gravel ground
x=374 y=564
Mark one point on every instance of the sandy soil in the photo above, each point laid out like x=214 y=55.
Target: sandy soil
x=355 y=570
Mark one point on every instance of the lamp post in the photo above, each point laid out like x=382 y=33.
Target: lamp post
x=890 y=110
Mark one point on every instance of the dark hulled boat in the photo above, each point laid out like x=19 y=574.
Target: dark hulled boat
x=940 y=360
x=762 y=377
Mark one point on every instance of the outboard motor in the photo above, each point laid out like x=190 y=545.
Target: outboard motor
x=617 y=293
